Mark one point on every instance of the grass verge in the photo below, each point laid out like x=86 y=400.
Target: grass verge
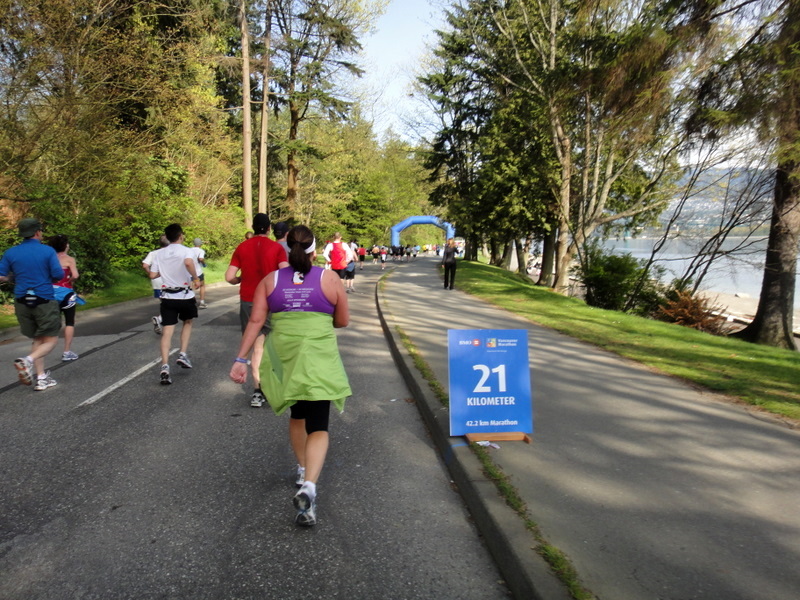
x=762 y=376
x=558 y=561
x=424 y=368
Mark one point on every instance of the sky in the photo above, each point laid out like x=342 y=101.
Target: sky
x=392 y=54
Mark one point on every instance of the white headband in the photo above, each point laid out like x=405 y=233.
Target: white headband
x=312 y=247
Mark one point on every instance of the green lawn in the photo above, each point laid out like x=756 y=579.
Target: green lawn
x=759 y=375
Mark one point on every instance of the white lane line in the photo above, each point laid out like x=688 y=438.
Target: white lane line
x=123 y=381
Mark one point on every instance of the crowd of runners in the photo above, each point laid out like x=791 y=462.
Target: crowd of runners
x=288 y=309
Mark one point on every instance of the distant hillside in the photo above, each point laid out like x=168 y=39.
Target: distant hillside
x=718 y=193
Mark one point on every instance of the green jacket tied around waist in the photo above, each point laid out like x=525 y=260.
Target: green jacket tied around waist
x=301 y=361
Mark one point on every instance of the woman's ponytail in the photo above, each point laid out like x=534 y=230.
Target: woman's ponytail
x=301 y=248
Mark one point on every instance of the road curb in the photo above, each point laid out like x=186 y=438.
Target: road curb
x=511 y=545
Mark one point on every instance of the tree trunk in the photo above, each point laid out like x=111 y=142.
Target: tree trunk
x=548 y=259
x=471 y=251
x=263 y=139
x=262 y=156
x=773 y=322
x=522 y=256
x=247 y=129
x=508 y=255
x=564 y=153
x=494 y=254
x=563 y=259
x=292 y=166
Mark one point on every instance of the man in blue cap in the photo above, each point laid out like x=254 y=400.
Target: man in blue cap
x=34 y=267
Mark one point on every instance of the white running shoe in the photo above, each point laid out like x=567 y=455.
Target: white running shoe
x=306 y=506
x=24 y=369
x=42 y=383
x=68 y=356
x=165 y=377
x=257 y=400
x=156 y=325
x=184 y=361
x=301 y=476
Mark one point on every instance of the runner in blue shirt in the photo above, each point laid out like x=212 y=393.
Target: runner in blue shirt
x=34 y=267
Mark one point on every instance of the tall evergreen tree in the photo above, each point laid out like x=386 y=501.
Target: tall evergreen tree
x=587 y=90
x=459 y=97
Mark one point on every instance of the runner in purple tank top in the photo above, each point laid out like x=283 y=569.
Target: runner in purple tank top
x=296 y=292
x=301 y=369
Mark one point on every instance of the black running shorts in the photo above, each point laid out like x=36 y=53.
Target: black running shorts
x=172 y=310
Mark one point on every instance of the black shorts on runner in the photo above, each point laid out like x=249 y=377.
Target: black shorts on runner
x=172 y=310
x=315 y=412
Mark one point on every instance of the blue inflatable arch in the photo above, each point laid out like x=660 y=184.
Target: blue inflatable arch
x=396 y=229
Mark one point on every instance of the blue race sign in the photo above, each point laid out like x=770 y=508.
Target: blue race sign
x=490 y=383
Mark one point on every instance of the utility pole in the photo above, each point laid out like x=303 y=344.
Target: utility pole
x=264 y=141
x=247 y=129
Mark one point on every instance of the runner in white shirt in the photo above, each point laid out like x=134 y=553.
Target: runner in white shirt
x=175 y=265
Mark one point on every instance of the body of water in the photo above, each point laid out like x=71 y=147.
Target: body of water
x=739 y=273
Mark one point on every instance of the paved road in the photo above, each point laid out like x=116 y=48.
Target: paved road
x=116 y=487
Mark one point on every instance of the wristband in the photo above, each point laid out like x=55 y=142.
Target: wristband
x=240 y=360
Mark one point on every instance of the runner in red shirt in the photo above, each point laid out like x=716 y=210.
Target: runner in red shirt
x=362 y=255
x=253 y=260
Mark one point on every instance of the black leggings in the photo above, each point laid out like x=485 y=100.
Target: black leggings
x=449 y=275
x=315 y=412
x=69 y=316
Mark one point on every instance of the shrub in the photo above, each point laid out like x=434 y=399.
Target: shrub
x=619 y=281
x=690 y=310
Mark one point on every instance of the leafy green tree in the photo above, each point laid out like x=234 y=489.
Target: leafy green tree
x=613 y=281
x=587 y=88
x=604 y=82
x=358 y=187
x=459 y=98
x=312 y=43
x=111 y=125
